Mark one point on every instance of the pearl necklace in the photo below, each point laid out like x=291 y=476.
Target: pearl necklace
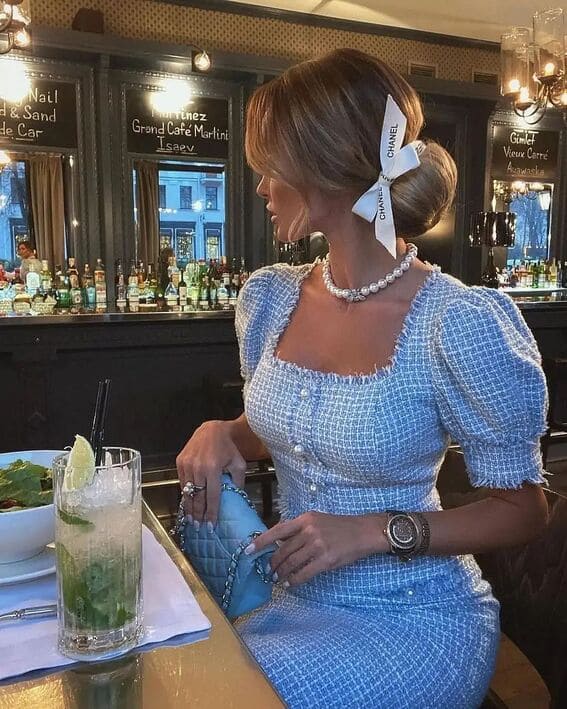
x=354 y=295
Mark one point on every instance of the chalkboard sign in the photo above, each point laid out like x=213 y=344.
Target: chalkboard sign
x=199 y=130
x=524 y=154
x=46 y=117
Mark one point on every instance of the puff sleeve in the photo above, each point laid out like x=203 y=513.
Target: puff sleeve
x=252 y=319
x=490 y=388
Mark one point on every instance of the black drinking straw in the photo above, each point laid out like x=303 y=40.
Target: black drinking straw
x=99 y=419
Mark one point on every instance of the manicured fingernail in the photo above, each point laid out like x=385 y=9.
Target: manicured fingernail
x=250 y=549
x=285 y=584
x=210 y=527
x=190 y=519
x=275 y=577
x=197 y=525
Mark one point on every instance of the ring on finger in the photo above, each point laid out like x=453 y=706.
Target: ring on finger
x=190 y=489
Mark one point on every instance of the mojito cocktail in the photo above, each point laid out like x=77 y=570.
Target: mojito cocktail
x=98 y=537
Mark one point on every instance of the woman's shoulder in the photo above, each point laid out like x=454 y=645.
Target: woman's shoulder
x=269 y=283
x=477 y=317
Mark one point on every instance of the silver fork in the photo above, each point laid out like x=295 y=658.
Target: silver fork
x=36 y=612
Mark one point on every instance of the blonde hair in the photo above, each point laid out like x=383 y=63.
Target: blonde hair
x=318 y=126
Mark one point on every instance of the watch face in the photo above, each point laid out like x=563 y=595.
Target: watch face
x=403 y=532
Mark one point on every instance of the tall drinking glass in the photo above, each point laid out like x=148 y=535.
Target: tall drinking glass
x=98 y=537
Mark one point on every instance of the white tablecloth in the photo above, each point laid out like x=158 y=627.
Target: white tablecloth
x=170 y=610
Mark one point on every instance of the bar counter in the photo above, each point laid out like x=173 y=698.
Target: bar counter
x=169 y=373
x=217 y=672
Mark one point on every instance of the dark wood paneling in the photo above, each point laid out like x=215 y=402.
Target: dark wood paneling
x=160 y=374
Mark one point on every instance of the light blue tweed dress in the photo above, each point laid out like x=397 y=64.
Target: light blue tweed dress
x=379 y=632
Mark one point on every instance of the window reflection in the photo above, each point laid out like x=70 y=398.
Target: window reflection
x=190 y=209
x=531 y=203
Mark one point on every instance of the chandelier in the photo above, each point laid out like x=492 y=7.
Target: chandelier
x=14 y=24
x=533 y=66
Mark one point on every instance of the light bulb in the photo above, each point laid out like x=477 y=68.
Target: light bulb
x=202 y=61
x=15 y=84
x=22 y=39
x=5 y=159
x=514 y=86
x=173 y=97
x=549 y=69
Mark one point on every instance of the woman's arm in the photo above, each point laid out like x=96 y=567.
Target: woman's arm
x=247 y=442
x=315 y=542
x=214 y=447
x=505 y=518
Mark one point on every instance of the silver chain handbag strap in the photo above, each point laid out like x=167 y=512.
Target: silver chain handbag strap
x=179 y=530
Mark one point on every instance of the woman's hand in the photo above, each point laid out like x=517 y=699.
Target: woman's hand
x=316 y=542
x=207 y=454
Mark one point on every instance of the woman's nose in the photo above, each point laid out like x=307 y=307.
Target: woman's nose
x=262 y=189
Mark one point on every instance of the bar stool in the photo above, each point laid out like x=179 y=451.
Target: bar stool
x=555 y=369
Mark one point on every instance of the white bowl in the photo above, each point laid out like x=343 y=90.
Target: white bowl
x=24 y=533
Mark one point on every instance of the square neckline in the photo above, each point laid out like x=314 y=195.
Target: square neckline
x=362 y=378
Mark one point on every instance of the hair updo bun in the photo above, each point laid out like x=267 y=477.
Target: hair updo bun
x=318 y=125
x=421 y=197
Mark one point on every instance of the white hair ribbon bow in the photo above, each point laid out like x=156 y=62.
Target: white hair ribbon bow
x=375 y=205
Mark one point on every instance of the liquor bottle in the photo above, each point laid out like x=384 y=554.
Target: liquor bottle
x=536 y=273
x=120 y=286
x=546 y=275
x=33 y=282
x=133 y=290
x=182 y=292
x=243 y=273
x=62 y=290
x=225 y=273
x=528 y=275
x=223 y=296
x=171 y=295
x=74 y=286
x=552 y=274
x=173 y=272
x=204 y=303
x=150 y=286
x=564 y=275
x=100 y=286
x=514 y=277
x=194 y=288
x=45 y=277
x=21 y=303
x=141 y=274
x=17 y=278
x=89 y=291
x=213 y=300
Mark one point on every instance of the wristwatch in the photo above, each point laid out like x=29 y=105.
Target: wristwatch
x=407 y=534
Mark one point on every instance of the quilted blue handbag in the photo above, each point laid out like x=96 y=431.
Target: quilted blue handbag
x=238 y=582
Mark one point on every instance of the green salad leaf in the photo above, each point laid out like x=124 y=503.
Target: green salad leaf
x=24 y=484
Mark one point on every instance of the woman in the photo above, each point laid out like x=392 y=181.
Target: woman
x=358 y=371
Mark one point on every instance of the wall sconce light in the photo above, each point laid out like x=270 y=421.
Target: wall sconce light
x=200 y=61
x=14 y=25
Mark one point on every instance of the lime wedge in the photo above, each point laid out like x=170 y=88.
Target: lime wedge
x=80 y=465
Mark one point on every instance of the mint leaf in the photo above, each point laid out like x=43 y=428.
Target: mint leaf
x=68 y=518
x=101 y=595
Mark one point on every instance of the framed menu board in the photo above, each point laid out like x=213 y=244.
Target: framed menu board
x=524 y=153
x=46 y=117
x=200 y=129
